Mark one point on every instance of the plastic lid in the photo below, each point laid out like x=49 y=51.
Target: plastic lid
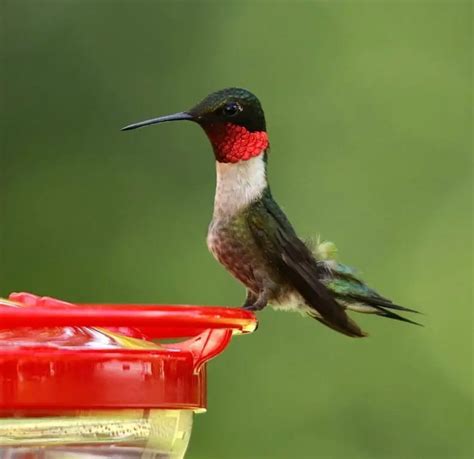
x=53 y=358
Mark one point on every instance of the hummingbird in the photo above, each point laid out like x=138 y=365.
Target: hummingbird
x=252 y=237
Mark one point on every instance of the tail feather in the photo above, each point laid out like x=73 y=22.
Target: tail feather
x=391 y=315
x=369 y=306
x=351 y=292
x=379 y=302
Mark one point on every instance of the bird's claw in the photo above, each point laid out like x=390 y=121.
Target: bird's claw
x=255 y=302
x=254 y=307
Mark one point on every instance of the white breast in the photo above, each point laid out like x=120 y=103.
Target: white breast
x=238 y=184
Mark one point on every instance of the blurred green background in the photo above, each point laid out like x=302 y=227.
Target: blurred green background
x=369 y=112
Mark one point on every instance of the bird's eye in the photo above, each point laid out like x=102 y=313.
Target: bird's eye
x=231 y=109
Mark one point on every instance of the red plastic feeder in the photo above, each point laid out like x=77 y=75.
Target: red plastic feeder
x=69 y=387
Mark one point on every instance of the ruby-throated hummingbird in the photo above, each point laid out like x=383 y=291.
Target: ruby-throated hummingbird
x=251 y=236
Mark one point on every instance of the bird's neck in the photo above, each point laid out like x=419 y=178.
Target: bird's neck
x=238 y=185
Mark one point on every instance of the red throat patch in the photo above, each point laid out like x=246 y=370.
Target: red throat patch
x=233 y=143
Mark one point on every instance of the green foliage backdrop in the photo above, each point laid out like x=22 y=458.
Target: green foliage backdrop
x=369 y=112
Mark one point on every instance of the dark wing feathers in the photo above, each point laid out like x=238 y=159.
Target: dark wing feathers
x=303 y=274
x=275 y=236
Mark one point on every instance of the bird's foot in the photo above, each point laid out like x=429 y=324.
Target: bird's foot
x=256 y=302
x=257 y=306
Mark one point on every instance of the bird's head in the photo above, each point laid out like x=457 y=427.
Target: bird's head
x=232 y=118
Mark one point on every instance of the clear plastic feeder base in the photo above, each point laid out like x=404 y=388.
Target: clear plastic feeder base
x=150 y=434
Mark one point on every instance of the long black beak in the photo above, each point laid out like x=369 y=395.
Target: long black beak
x=161 y=119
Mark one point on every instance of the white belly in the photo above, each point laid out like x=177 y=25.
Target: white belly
x=292 y=302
